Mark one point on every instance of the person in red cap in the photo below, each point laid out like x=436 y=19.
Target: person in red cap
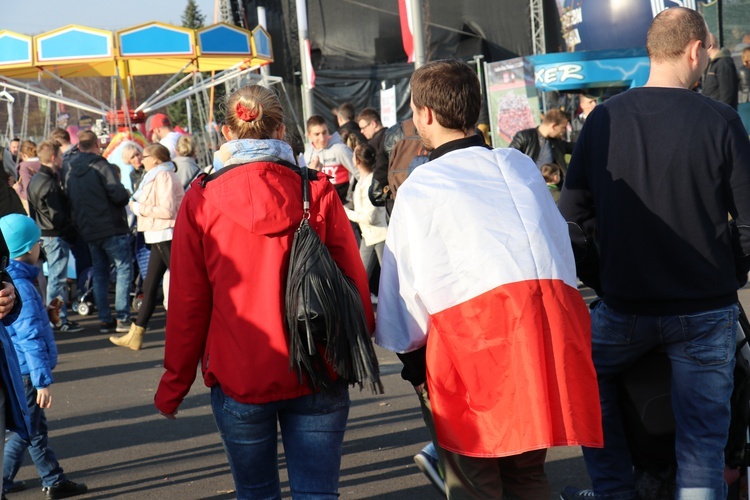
x=161 y=131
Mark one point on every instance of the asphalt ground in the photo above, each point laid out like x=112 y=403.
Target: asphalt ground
x=106 y=432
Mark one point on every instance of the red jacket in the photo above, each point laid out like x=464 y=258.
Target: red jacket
x=230 y=255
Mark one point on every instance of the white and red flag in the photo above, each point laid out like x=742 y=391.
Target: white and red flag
x=478 y=266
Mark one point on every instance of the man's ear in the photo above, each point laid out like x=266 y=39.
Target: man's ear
x=694 y=50
x=429 y=115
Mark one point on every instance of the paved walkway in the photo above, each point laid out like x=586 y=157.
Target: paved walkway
x=107 y=433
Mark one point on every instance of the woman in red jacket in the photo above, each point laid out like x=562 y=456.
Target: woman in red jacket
x=230 y=256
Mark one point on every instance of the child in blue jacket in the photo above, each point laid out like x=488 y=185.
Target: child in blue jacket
x=14 y=412
x=32 y=337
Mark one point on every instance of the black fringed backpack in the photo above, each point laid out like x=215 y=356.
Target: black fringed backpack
x=325 y=319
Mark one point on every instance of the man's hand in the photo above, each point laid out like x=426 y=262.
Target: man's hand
x=7 y=299
x=44 y=397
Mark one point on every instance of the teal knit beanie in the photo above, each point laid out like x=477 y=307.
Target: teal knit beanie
x=20 y=232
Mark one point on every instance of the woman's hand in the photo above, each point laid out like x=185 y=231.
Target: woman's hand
x=170 y=416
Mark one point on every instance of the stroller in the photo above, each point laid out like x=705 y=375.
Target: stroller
x=649 y=423
x=84 y=303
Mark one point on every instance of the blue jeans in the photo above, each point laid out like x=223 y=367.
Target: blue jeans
x=701 y=351
x=312 y=430
x=116 y=250
x=42 y=455
x=57 y=251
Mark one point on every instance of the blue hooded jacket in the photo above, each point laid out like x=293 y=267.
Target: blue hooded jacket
x=31 y=332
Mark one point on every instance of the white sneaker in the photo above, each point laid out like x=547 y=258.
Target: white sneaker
x=430 y=467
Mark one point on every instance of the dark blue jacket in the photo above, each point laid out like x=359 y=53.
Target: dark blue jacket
x=16 y=409
x=97 y=197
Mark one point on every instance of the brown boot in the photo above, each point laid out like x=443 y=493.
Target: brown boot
x=132 y=340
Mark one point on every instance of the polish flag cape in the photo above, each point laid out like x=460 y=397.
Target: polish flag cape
x=478 y=265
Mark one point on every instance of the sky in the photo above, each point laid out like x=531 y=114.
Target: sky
x=31 y=17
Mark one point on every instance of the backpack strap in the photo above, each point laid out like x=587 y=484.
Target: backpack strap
x=205 y=178
x=304 y=174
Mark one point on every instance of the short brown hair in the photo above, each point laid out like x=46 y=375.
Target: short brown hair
x=672 y=31
x=48 y=151
x=254 y=112
x=369 y=114
x=87 y=140
x=315 y=120
x=450 y=88
x=345 y=111
x=555 y=116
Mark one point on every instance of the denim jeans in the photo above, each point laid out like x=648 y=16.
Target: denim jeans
x=57 y=251
x=701 y=351
x=312 y=430
x=116 y=250
x=42 y=455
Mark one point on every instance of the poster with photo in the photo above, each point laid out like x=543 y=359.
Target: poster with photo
x=512 y=99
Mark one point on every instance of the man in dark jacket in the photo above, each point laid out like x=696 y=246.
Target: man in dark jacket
x=635 y=170
x=544 y=144
x=98 y=200
x=720 y=78
x=372 y=128
x=49 y=208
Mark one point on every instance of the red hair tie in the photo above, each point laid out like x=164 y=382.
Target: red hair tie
x=244 y=113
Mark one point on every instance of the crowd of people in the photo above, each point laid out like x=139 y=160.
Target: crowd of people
x=479 y=253
x=58 y=200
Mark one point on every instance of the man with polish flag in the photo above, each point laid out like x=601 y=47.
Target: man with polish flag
x=478 y=297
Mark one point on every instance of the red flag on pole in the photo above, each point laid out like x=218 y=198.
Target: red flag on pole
x=407 y=39
x=309 y=66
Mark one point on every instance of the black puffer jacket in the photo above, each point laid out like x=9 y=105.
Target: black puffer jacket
x=97 y=197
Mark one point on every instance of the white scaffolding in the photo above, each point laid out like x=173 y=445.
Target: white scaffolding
x=538 y=42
